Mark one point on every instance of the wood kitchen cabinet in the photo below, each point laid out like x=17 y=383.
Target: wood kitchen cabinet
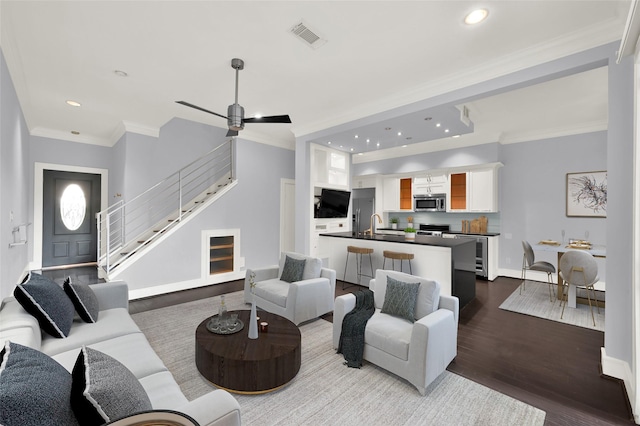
x=406 y=197
x=458 y=191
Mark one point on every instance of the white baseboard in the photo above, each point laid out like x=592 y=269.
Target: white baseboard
x=157 y=290
x=619 y=369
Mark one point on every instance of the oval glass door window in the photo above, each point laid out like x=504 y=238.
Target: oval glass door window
x=73 y=207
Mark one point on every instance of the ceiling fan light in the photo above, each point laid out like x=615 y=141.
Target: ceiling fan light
x=476 y=16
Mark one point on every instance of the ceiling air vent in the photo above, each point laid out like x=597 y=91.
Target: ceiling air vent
x=309 y=37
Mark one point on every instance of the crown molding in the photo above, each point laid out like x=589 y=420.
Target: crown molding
x=268 y=140
x=69 y=137
x=591 y=127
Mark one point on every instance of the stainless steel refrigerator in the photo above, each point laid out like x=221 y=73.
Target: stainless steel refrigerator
x=362 y=207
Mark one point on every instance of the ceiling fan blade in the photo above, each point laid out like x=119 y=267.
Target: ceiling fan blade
x=269 y=119
x=232 y=133
x=199 y=108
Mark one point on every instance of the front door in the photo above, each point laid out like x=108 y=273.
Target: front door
x=70 y=203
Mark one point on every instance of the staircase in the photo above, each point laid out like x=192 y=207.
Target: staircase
x=128 y=229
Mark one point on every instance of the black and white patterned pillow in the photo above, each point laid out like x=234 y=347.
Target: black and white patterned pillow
x=83 y=299
x=292 y=270
x=400 y=299
x=34 y=389
x=47 y=302
x=104 y=390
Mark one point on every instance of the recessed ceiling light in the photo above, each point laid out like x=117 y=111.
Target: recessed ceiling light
x=73 y=103
x=404 y=146
x=329 y=143
x=75 y=132
x=351 y=149
x=446 y=130
x=437 y=124
x=340 y=146
x=455 y=136
x=399 y=133
x=476 y=16
x=356 y=136
x=120 y=73
x=378 y=144
x=368 y=140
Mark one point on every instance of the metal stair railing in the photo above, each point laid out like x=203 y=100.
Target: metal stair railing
x=124 y=227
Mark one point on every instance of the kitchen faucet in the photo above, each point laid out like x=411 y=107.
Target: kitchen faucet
x=372 y=223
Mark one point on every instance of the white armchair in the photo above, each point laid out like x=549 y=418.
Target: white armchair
x=418 y=352
x=297 y=301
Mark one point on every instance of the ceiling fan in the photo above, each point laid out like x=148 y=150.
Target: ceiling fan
x=235 y=113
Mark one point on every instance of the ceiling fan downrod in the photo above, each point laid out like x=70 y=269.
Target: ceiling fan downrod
x=235 y=112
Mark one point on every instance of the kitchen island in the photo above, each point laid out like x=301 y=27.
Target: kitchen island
x=449 y=261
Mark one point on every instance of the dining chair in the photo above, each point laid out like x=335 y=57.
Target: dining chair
x=579 y=268
x=529 y=264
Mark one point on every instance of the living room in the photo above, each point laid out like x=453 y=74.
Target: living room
x=531 y=182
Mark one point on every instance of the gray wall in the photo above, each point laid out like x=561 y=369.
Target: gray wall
x=253 y=206
x=533 y=191
x=14 y=172
x=620 y=154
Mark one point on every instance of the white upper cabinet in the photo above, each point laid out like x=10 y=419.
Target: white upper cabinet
x=483 y=194
x=430 y=183
x=330 y=168
x=391 y=194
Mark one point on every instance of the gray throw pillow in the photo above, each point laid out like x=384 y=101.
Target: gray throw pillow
x=103 y=389
x=84 y=300
x=400 y=299
x=293 y=269
x=34 y=389
x=47 y=302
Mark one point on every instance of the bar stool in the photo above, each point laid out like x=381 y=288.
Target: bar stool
x=358 y=251
x=395 y=255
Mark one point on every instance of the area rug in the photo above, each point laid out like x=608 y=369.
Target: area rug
x=534 y=301
x=325 y=392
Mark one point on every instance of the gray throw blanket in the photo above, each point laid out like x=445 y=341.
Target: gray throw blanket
x=351 y=343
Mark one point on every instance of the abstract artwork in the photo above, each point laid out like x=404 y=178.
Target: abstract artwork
x=587 y=194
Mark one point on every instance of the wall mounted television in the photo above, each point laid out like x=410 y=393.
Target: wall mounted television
x=333 y=204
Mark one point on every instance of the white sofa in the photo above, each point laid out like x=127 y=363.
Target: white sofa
x=117 y=335
x=298 y=301
x=418 y=352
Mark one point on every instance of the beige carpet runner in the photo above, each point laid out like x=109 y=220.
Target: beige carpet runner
x=325 y=392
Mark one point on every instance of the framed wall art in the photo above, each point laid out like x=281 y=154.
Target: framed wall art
x=587 y=194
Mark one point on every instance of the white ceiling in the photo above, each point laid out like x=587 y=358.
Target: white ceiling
x=378 y=56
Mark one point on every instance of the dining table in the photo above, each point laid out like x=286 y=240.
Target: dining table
x=596 y=250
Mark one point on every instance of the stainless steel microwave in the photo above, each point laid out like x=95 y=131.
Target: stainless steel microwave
x=430 y=203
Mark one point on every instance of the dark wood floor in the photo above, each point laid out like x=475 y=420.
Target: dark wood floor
x=552 y=366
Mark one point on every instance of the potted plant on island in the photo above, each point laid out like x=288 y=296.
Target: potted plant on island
x=409 y=233
x=394 y=222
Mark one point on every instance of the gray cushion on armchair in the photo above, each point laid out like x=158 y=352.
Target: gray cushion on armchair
x=297 y=301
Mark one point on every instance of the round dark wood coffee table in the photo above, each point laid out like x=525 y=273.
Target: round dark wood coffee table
x=242 y=365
